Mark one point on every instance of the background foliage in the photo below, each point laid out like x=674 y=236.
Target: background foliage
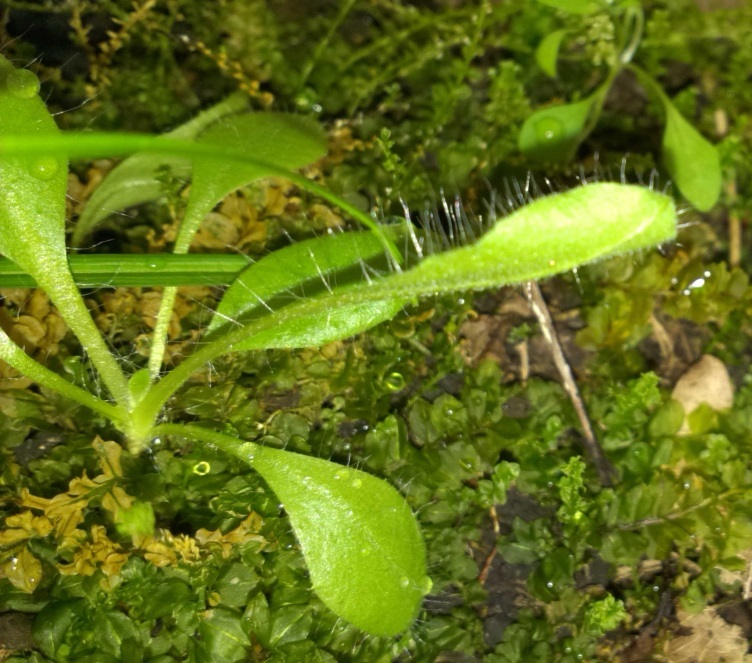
x=183 y=554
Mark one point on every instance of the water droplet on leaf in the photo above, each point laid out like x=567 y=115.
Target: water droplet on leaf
x=202 y=468
x=394 y=382
x=44 y=168
x=356 y=483
x=548 y=128
x=404 y=582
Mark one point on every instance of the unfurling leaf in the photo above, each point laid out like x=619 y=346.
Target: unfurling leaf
x=286 y=141
x=138 y=179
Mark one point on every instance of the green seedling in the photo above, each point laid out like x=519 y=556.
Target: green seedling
x=554 y=133
x=360 y=539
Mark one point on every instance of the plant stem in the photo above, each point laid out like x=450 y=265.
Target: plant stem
x=132 y=270
x=228 y=444
x=18 y=359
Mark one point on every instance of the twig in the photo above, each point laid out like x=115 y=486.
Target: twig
x=606 y=471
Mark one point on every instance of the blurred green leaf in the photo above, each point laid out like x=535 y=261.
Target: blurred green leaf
x=553 y=133
x=52 y=623
x=547 y=52
x=574 y=6
x=290 y=624
x=693 y=162
x=223 y=638
x=140 y=178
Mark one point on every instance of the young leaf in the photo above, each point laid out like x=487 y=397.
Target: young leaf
x=693 y=162
x=359 y=537
x=574 y=6
x=287 y=141
x=548 y=51
x=137 y=179
x=291 y=267
x=553 y=133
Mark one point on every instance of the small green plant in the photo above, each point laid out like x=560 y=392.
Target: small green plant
x=554 y=133
x=360 y=540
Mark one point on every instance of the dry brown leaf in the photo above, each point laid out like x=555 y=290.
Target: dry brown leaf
x=710 y=640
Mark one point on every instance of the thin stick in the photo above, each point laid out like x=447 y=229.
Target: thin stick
x=606 y=471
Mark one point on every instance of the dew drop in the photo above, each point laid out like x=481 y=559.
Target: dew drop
x=203 y=468
x=356 y=483
x=404 y=582
x=548 y=129
x=550 y=585
x=426 y=584
x=44 y=168
x=394 y=382
x=686 y=485
x=155 y=263
x=365 y=551
x=281 y=506
x=656 y=588
x=461 y=301
x=22 y=83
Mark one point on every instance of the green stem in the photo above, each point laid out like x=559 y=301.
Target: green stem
x=162 y=326
x=18 y=359
x=230 y=445
x=130 y=270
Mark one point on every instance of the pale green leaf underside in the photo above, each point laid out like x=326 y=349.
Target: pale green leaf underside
x=137 y=179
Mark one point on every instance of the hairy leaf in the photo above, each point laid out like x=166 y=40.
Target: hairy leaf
x=291 y=267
